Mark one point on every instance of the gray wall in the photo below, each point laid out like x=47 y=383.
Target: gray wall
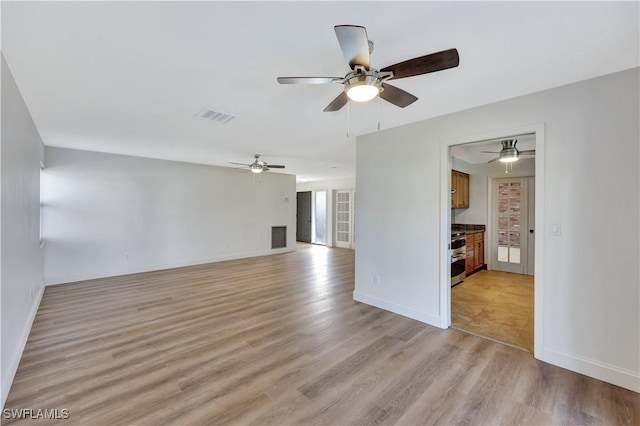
x=22 y=258
x=107 y=215
x=591 y=281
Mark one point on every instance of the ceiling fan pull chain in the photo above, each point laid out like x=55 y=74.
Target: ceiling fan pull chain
x=378 y=112
x=348 y=117
x=508 y=167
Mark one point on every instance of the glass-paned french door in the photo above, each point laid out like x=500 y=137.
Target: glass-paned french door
x=345 y=218
x=510 y=225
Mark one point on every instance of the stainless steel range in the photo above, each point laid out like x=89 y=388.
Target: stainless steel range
x=458 y=257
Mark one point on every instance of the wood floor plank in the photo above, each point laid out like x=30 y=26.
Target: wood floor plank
x=279 y=340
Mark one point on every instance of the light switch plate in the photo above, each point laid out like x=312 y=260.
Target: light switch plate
x=556 y=228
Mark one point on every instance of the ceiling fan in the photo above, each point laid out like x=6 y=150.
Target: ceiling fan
x=259 y=166
x=363 y=82
x=509 y=153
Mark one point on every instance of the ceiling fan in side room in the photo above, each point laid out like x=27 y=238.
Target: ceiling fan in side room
x=259 y=166
x=363 y=83
x=509 y=153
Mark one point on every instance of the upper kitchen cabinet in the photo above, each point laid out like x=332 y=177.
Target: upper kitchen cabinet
x=459 y=190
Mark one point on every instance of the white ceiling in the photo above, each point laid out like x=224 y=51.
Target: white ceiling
x=128 y=77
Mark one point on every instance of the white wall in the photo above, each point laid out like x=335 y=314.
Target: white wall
x=22 y=258
x=108 y=215
x=591 y=276
x=330 y=186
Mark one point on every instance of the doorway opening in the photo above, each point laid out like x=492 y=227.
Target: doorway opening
x=495 y=297
x=320 y=218
x=311 y=217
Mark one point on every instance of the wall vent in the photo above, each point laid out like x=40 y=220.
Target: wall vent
x=213 y=115
x=278 y=237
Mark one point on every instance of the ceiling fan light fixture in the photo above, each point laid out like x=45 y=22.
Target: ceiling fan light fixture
x=259 y=166
x=362 y=88
x=508 y=159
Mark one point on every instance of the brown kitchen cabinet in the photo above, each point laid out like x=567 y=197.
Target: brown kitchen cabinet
x=479 y=251
x=459 y=190
x=470 y=260
x=475 y=252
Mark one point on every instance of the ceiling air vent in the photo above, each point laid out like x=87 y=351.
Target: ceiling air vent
x=219 y=116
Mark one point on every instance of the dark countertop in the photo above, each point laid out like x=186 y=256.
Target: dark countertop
x=472 y=231
x=467 y=228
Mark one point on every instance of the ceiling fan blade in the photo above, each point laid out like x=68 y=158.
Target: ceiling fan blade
x=495 y=159
x=275 y=166
x=527 y=152
x=308 y=80
x=425 y=64
x=240 y=164
x=490 y=152
x=354 y=44
x=337 y=103
x=397 y=96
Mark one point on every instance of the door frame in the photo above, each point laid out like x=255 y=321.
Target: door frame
x=445 y=224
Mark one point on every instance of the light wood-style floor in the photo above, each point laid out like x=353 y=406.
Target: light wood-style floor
x=498 y=305
x=279 y=340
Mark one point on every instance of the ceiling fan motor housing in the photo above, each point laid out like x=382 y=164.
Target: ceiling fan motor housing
x=509 y=152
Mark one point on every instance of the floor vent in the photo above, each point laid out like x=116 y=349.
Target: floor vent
x=278 y=237
x=212 y=115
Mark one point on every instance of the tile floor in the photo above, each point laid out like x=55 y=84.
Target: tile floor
x=498 y=305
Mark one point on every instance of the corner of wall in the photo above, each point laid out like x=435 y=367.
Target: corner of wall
x=398 y=309
x=7 y=380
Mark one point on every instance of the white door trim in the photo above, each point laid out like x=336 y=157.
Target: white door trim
x=445 y=224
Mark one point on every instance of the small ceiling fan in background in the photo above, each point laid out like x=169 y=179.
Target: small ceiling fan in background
x=363 y=82
x=509 y=153
x=259 y=166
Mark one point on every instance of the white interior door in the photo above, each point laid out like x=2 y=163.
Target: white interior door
x=510 y=225
x=344 y=218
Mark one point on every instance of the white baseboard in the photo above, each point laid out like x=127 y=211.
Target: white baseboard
x=135 y=269
x=398 y=309
x=599 y=370
x=7 y=380
x=602 y=371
